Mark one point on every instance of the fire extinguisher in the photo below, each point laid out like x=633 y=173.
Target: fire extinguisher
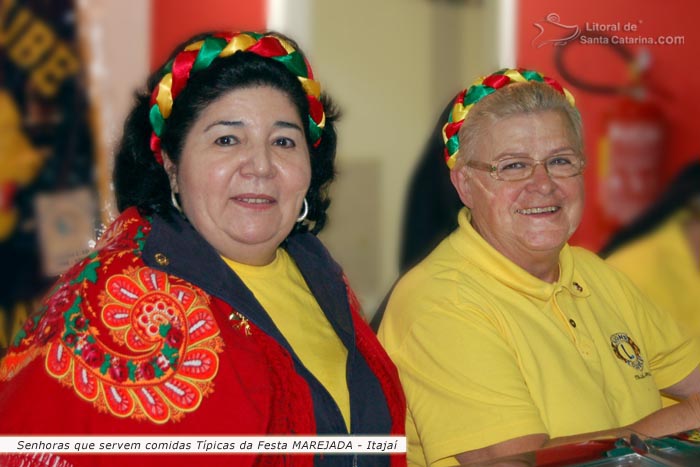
x=630 y=152
x=631 y=145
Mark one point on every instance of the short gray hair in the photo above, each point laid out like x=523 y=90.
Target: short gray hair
x=512 y=100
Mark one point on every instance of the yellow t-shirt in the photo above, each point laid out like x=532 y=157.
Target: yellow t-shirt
x=281 y=290
x=487 y=352
x=661 y=264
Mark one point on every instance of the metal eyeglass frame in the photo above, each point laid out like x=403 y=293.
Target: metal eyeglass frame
x=492 y=169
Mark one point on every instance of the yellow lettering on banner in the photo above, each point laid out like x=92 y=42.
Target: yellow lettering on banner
x=20 y=20
x=49 y=75
x=32 y=45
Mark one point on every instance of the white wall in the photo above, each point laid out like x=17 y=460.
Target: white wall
x=115 y=40
x=391 y=65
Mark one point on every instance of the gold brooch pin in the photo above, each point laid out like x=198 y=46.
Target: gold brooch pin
x=161 y=259
x=240 y=322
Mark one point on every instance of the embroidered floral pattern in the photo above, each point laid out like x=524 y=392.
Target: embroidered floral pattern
x=49 y=322
x=116 y=238
x=165 y=354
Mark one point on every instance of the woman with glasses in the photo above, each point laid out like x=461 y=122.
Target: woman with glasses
x=507 y=339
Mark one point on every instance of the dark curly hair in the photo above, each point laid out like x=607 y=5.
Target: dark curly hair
x=140 y=181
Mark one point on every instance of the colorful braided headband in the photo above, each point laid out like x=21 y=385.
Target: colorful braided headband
x=477 y=91
x=199 y=55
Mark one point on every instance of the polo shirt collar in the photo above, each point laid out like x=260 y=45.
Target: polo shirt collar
x=479 y=253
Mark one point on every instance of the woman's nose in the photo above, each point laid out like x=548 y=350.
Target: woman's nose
x=540 y=179
x=259 y=163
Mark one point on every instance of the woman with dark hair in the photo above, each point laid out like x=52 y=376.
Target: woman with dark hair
x=209 y=306
x=683 y=193
x=660 y=250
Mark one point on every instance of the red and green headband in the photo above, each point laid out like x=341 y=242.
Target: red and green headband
x=477 y=91
x=199 y=55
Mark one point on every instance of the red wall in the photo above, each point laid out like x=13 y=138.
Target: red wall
x=173 y=21
x=672 y=71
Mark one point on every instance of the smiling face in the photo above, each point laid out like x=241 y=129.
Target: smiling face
x=528 y=221
x=243 y=173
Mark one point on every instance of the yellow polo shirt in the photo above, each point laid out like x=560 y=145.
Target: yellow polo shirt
x=283 y=293
x=487 y=352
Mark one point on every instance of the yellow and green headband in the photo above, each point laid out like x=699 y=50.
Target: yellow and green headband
x=477 y=91
x=199 y=55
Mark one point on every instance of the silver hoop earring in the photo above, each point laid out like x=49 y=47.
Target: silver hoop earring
x=176 y=205
x=305 y=213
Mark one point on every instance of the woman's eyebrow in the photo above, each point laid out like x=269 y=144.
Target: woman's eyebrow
x=562 y=149
x=224 y=123
x=237 y=123
x=285 y=124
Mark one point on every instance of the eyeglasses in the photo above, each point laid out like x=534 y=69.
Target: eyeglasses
x=512 y=169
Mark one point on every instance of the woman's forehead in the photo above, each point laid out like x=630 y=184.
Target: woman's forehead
x=526 y=130
x=249 y=101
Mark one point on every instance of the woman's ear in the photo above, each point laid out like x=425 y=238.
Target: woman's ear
x=171 y=170
x=460 y=180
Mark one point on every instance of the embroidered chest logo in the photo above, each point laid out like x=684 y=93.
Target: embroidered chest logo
x=166 y=352
x=626 y=350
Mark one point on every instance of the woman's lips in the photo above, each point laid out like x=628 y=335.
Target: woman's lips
x=254 y=201
x=539 y=210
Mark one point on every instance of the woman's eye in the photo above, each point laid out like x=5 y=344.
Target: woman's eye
x=513 y=165
x=561 y=160
x=227 y=140
x=284 y=142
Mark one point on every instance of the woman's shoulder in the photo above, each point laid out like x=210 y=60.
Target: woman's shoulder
x=602 y=274
x=75 y=286
x=112 y=326
x=585 y=260
x=592 y=267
